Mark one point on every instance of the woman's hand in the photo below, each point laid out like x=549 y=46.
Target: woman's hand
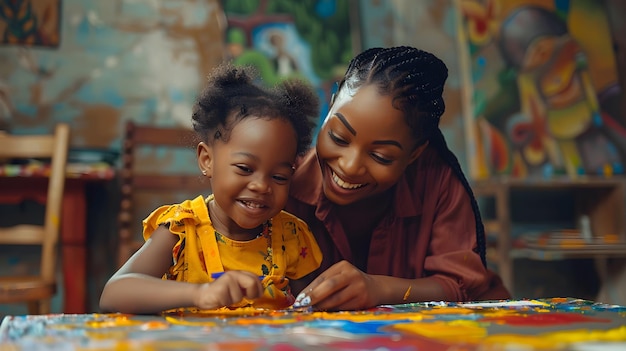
x=228 y=289
x=340 y=287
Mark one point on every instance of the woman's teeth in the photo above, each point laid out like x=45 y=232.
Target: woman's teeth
x=345 y=185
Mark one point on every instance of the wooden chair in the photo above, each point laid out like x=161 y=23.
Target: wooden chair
x=37 y=291
x=151 y=177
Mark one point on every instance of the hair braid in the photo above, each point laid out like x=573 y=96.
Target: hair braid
x=415 y=80
x=439 y=142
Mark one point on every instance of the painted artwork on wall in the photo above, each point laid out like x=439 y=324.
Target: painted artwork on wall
x=30 y=22
x=292 y=39
x=541 y=84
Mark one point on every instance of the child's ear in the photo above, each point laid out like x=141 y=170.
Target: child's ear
x=205 y=159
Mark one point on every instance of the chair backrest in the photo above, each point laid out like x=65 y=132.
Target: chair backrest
x=54 y=148
x=151 y=177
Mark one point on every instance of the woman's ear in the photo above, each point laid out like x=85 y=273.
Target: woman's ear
x=417 y=152
x=205 y=158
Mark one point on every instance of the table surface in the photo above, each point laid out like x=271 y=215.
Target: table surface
x=547 y=324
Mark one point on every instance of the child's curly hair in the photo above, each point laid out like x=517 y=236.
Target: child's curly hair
x=232 y=94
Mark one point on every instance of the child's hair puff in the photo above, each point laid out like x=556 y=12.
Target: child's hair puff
x=232 y=94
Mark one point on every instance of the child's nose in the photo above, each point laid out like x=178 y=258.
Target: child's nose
x=260 y=184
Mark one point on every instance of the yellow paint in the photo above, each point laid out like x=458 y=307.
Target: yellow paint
x=113 y=322
x=558 y=340
x=240 y=311
x=449 y=310
x=459 y=330
x=182 y=321
x=366 y=317
x=261 y=321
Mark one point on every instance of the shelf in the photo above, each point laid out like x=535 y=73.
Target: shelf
x=600 y=199
x=563 y=254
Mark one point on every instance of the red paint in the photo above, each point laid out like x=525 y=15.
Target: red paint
x=389 y=343
x=542 y=319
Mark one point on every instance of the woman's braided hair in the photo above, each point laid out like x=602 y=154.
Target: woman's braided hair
x=415 y=80
x=232 y=94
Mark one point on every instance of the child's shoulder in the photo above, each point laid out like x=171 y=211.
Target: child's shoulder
x=286 y=218
x=186 y=209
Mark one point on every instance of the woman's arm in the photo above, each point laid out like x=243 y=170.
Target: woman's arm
x=137 y=286
x=345 y=287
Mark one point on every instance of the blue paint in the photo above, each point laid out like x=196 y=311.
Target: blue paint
x=357 y=328
x=219 y=274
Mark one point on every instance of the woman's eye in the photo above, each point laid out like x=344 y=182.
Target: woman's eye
x=382 y=160
x=337 y=139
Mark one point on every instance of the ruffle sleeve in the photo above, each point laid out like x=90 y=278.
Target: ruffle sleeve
x=174 y=217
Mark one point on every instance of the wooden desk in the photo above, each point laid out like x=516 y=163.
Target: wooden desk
x=552 y=324
x=30 y=182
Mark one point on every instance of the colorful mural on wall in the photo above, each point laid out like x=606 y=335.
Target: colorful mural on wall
x=542 y=76
x=30 y=23
x=117 y=60
x=309 y=40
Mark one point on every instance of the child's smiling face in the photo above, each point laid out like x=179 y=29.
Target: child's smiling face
x=250 y=174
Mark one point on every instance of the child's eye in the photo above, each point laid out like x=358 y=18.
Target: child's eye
x=244 y=168
x=337 y=139
x=281 y=179
x=380 y=159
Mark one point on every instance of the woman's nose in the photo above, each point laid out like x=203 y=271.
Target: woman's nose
x=351 y=163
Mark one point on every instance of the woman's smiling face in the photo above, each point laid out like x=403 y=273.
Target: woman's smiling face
x=364 y=146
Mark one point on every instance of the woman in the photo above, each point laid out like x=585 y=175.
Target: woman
x=386 y=199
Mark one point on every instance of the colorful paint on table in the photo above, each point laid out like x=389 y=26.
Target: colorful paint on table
x=548 y=324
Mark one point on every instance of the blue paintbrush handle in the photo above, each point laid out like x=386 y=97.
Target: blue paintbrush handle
x=219 y=274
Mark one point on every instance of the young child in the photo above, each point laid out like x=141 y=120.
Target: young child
x=235 y=247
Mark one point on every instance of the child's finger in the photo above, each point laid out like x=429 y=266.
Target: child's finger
x=252 y=287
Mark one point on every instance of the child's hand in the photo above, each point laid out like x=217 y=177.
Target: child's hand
x=227 y=290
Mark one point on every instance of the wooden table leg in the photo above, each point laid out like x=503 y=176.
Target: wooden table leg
x=73 y=247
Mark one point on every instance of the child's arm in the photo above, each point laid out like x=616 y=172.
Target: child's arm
x=137 y=286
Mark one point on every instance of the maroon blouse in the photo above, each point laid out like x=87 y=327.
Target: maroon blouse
x=429 y=231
